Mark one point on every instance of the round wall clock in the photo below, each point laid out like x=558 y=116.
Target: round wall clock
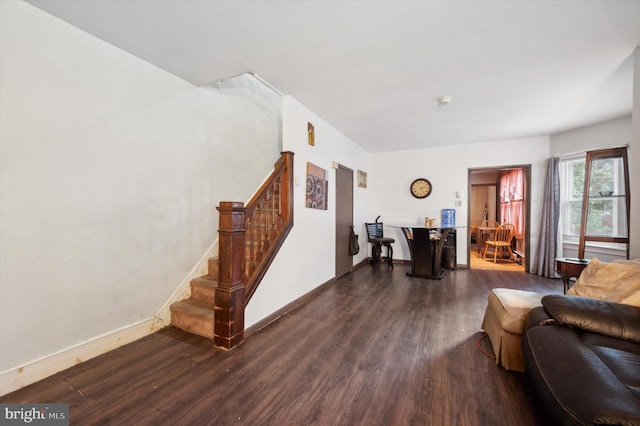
x=420 y=188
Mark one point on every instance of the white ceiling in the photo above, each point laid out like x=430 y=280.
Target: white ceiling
x=375 y=69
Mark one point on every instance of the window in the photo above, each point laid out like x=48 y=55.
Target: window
x=512 y=200
x=607 y=214
x=571 y=189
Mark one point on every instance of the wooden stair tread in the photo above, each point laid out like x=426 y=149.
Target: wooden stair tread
x=213 y=266
x=206 y=280
x=195 y=316
x=204 y=288
x=195 y=308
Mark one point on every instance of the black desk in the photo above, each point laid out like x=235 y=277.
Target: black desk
x=426 y=250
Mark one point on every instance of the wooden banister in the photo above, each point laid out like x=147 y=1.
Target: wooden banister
x=249 y=239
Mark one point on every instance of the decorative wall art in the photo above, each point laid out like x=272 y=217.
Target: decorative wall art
x=312 y=134
x=362 y=179
x=317 y=187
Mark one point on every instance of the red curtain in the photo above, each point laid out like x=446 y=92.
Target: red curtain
x=512 y=200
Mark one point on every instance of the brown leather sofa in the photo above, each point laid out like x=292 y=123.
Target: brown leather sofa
x=582 y=360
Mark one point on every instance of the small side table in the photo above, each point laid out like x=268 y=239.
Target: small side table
x=568 y=268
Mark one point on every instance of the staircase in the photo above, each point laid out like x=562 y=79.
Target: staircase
x=196 y=314
x=249 y=238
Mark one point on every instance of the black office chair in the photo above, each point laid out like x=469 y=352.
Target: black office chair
x=376 y=237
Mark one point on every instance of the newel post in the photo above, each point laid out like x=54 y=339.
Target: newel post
x=229 y=299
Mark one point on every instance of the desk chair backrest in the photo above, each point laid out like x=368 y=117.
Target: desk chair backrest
x=374 y=230
x=375 y=235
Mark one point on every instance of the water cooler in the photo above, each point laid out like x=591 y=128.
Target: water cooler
x=448 y=220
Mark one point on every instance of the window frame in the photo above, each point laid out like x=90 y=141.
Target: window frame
x=570 y=230
x=591 y=157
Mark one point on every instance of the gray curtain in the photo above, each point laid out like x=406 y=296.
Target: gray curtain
x=547 y=244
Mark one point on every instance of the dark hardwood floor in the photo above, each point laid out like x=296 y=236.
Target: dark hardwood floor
x=375 y=347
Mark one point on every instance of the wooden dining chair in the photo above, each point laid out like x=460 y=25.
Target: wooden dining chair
x=500 y=241
x=486 y=231
x=489 y=224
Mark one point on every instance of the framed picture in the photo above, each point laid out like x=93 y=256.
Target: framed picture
x=362 y=179
x=311 y=133
x=317 y=187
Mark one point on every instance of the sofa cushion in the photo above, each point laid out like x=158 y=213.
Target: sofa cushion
x=574 y=383
x=620 y=356
x=617 y=281
x=597 y=316
x=511 y=307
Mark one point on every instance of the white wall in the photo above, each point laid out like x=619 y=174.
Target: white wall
x=597 y=136
x=307 y=257
x=111 y=169
x=447 y=169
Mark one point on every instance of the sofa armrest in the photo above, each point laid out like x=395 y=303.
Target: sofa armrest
x=597 y=316
x=538 y=316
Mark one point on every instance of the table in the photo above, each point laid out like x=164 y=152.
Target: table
x=568 y=268
x=425 y=246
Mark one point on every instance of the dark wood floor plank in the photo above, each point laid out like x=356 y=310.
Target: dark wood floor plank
x=375 y=347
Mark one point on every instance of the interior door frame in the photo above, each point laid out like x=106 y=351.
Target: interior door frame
x=340 y=242
x=527 y=203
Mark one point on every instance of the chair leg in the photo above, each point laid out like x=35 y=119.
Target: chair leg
x=376 y=252
x=495 y=253
x=389 y=255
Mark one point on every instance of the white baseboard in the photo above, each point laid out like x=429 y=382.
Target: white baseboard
x=31 y=372
x=19 y=377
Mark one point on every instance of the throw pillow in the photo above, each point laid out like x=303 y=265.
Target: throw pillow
x=617 y=281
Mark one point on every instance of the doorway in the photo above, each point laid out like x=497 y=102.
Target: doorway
x=502 y=194
x=344 y=220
